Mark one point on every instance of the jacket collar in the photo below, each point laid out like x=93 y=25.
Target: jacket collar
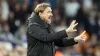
x=40 y=21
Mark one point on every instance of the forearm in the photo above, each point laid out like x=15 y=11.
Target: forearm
x=65 y=42
x=68 y=42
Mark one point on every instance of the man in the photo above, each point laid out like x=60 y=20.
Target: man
x=41 y=38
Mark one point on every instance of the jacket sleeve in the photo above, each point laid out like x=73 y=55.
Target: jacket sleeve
x=65 y=42
x=37 y=32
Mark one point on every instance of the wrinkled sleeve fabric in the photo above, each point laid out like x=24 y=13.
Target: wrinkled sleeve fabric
x=65 y=42
x=37 y=32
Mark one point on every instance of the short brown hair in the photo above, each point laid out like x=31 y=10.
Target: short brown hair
x=41 y=7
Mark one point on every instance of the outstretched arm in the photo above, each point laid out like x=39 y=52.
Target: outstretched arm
x=65 y=42
x=69 y=42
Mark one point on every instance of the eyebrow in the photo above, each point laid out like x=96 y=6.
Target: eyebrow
x=50 y=11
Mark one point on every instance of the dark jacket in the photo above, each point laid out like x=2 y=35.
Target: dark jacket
x=42 y=40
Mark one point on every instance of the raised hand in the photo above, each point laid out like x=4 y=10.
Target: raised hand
x=72 y=26
x=81 y=37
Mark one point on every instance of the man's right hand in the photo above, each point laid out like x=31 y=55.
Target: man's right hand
x=81 y=37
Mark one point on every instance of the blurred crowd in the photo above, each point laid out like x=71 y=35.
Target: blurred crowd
x=13 y=25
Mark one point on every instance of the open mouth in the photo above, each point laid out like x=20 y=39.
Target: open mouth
x=50 y=17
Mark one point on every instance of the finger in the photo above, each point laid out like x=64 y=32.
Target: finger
x=75 y=24
x=74 y=21
x=74 y=30
x=83 y=33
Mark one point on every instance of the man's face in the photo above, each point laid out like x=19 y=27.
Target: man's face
x=46 y=15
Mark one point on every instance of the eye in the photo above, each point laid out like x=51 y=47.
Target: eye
x=49 y=12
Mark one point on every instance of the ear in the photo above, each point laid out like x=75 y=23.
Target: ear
x=40 y=13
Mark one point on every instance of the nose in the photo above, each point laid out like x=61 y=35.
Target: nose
x=51 y=14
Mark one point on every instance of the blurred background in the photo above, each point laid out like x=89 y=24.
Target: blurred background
x=14 y=15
